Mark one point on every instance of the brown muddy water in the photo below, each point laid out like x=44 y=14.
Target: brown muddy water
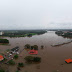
x=53 y=58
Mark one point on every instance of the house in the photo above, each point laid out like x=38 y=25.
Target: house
x=33 y=52
x=68 y=60
x=1 y=57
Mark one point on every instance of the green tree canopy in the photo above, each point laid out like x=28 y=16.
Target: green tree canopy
x=27 y=46
x=4 y=41
x=29 y=58
x=11 y=62
x=35 y=47
x=20 y=64
x=32 y=59
x=16 y=56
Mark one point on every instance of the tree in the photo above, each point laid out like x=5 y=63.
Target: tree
x=29 y=35
x=42 y=46
x=27 y=46
x=16 y=56
x=35 y=47
x=59 y=32
x=11 y=62
x=32 y=59
x=29 y=58
x=20 y=64
x=32 y=47
x=4 y=41
x=37 y=59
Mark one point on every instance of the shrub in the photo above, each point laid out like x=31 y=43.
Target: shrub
x=17 y=71
x=1 y=70
x=37 y=59
x=11 y=62
x=32 y=59
x=29 y=58
x=42 y=46
x=20 y=64
x=16 y=56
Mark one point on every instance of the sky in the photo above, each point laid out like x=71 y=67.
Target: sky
x=35 y=14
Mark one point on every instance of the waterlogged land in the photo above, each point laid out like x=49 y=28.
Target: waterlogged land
x=52 y=58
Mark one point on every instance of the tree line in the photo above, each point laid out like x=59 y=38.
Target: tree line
x=4 y=41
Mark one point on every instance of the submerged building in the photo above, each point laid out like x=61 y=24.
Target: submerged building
x=33 y=51
x=1 y=33
x=1 y=57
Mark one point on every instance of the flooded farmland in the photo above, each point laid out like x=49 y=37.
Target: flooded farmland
x=53 y=58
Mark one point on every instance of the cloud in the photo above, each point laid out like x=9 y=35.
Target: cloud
x=35 y=14
x=59 y=25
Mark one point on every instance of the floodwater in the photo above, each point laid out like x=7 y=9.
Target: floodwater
x=53 y=58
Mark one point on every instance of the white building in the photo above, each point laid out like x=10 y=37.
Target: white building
x=1 y=33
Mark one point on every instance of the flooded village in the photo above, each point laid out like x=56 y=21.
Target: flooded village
x=36 y=53
x=35 y=35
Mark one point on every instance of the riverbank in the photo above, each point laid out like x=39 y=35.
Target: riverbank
x=22 y=33
x=65 y=34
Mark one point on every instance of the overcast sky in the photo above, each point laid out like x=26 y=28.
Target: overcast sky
x=35 y=14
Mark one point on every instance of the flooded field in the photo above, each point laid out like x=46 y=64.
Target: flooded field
x=53 y=58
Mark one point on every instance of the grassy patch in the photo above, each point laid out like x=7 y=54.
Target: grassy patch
x=4 y=44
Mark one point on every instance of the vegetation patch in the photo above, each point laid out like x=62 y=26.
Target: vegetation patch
x=32 y=59
x=65 y=34
x=17 y=71
x=16 y=56
x=8 y=50
x=20 y=64
x=42 y=47
x=1 y=70
x=4 y=41
x=11 y=62
x=22 y=33
x=28 y=46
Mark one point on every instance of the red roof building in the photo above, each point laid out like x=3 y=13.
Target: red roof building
x=68 y=60
x=1 y=57
x=33 y=52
